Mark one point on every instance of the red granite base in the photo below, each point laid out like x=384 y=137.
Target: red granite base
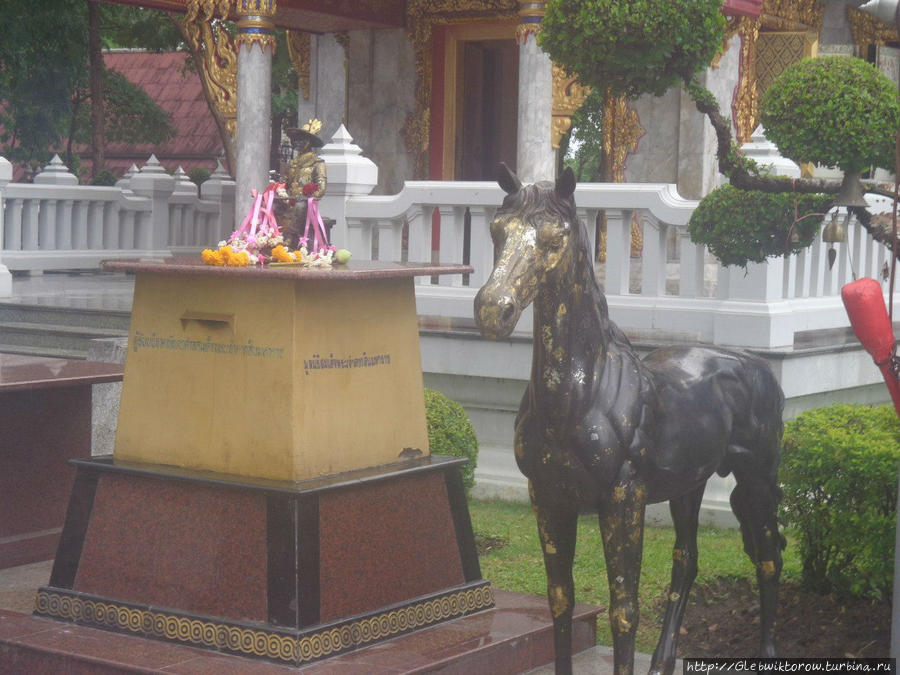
x=513 y=637
x=292 y=572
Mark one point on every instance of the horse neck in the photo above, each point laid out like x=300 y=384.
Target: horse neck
x=571 y=326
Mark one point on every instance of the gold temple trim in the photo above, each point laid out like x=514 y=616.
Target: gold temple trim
x=867 y=31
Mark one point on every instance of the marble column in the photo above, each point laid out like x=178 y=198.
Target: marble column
x=255 y=45
x=534 y=153
x=327 y=99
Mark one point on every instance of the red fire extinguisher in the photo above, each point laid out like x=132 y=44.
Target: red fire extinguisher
x=865 y=306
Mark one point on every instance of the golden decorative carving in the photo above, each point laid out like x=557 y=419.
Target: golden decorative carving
x=793 y=15
x=745 y=109
x=867 y=31
x=422 y=17
x=796 y=16
x=530 y=15
x=255 y=23
x=300 y=53
x=216 y=54
x=285 y=646
x=568 y=95
x=621 y=132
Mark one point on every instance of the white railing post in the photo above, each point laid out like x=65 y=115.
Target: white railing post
x=5 y=276
x=153 y=182
x=349 y=175
x=220 y=188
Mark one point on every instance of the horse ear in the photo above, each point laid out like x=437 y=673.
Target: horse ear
x=565 y=184
x=507 y=179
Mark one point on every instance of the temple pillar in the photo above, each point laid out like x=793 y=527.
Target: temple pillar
x=255 y=46
x=534 y=152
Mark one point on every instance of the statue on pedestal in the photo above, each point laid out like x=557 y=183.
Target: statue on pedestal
x=306 y=178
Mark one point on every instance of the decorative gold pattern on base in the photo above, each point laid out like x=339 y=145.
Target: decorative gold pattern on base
x=295 y=647
x=745 y=109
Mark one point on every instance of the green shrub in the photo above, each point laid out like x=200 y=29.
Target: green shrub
x=741 y=226
x=835 y=111
x=105 y=177
x=839 y=474
x=450 y=432
x=632 y=47
x=198 y=175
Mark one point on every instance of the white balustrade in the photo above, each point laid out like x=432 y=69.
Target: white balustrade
x=671 y=286
x=55 y=223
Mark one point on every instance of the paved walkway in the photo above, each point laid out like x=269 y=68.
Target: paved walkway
x=90 y=290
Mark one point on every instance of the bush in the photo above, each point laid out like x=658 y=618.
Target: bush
x=198 y=175
x=839 y=474
x=451 y=433
x=105 y=177
x=632 y=47
x=741 y=226
x=835 y=111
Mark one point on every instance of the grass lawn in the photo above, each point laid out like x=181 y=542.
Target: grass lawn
x=514 y=562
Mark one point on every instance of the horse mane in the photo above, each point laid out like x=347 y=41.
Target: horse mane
x=624 y=377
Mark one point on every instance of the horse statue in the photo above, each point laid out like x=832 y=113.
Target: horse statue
x=601 y=429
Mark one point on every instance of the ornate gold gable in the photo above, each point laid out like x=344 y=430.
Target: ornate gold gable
x=215 y=51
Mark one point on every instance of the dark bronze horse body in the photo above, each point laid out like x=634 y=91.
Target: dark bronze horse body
x=599 y=428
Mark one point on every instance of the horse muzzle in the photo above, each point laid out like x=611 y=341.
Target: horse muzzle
x=496 y=314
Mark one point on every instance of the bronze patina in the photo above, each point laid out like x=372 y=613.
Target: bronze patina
x=599 y=428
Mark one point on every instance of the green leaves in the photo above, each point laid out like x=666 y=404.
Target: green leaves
x=835 y=111
x=742 y=226
x=632 y=47
x=450 y=432
x=839 y=475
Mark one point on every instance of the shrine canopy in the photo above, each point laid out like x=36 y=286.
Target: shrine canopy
x=312 y=16
x=742 y=7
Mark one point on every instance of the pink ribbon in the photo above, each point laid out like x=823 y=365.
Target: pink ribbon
x=259 y=217
x=314 y=221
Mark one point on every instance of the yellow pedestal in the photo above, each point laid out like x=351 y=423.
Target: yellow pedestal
x=272 y=373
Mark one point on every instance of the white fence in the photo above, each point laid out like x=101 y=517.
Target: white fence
x=671 y=288
x=55 y=223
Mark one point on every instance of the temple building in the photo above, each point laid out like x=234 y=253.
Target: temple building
x=445 y=89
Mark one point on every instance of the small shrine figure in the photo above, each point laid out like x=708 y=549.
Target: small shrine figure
x=305 y=178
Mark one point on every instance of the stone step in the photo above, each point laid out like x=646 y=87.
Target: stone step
x=84 y=317
x=48 y=339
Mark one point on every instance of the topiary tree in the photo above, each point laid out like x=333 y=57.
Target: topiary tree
x=741 y=226
x=637 y=47
x=450 y=432
x=633 y=47
x=834 y=111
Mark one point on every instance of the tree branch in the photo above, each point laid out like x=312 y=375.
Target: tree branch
x=742 y=172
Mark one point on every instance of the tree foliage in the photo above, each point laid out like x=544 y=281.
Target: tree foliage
x=45 y=84
x=835 y=111
x=741 y=226
x=39 y=70
x=584 y=145
x=632 y=47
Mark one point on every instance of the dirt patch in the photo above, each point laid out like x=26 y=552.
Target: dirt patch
x=484 y=544
x=722 y=620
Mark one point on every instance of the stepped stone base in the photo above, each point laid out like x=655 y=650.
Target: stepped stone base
x=513 y=637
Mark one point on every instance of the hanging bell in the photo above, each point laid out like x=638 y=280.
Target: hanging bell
x=851 y=192
x=834 y=232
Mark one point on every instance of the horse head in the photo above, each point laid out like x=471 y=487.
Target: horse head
x=533 y=235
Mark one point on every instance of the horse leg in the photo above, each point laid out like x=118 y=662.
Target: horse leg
x=755 y=503
x=685 y=512
x=622 y=525
x=557 y=527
